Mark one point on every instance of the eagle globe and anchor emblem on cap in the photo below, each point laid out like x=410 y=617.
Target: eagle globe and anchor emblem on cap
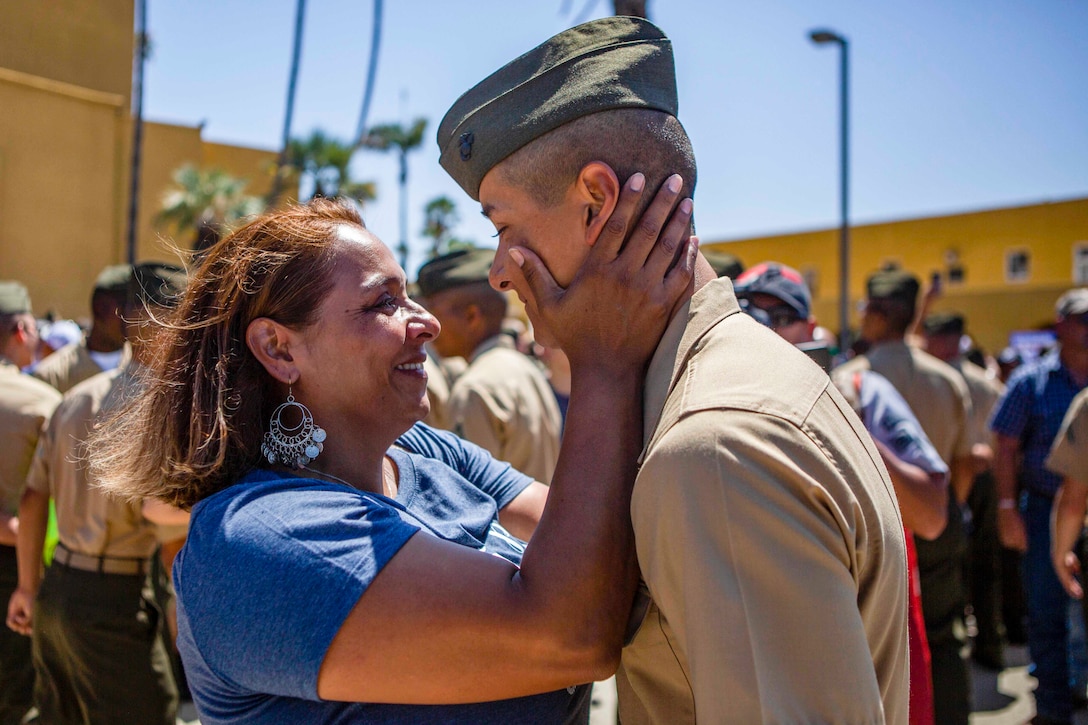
x=466 y=140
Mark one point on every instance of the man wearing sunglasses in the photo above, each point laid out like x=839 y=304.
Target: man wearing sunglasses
x=940 y=400
x=778 y=296
x=1026 y=421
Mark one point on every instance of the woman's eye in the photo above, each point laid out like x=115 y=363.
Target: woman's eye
x=385 y=304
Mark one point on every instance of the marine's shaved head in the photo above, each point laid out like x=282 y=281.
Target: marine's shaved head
x=628 y=139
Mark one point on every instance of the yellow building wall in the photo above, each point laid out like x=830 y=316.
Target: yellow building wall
x=87 y=43
x=65 y=151
x=60 y=158
x=976 y=241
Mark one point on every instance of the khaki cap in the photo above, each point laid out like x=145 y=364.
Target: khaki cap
x=455 y=269
x=1073 y=302
x=615 y=62
x=14 y=298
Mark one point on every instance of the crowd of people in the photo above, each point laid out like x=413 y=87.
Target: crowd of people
x=300 y=489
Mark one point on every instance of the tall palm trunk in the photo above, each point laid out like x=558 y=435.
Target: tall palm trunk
x=292 y=83
x=371 y=73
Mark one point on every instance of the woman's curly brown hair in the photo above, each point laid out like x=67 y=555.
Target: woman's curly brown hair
x=197 y=426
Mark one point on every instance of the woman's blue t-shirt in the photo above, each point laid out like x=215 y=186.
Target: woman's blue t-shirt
x=273 y=565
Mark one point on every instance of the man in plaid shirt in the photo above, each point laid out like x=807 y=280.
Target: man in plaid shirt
x=1026 y=420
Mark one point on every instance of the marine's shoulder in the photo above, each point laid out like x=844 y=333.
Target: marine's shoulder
x=21 y=390
x=499 y=367
x=740 y=364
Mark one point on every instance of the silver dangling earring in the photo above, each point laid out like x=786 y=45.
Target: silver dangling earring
x=296 y=446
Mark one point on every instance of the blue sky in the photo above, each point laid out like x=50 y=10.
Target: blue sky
x=955 y=104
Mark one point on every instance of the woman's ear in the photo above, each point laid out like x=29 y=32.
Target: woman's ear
x=269 y=341
x=600 y=188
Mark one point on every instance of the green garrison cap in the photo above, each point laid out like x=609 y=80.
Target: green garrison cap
x=456 y=269
x=944 y=323
x=158 y=283
x=615 y=62
x=114 y=278
x=893 y=284
x=14 y=299
x=724 y=263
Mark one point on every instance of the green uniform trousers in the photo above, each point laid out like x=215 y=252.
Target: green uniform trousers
x=16 y=670
x=940 y=576
x=97 y=651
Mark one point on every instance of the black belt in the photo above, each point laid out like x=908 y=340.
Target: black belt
x=100 y=564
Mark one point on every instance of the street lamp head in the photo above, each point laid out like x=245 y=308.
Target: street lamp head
x=823 y=35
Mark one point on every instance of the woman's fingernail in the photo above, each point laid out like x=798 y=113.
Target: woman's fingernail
x=517 y=256
x=674 y=183
x=637 y=182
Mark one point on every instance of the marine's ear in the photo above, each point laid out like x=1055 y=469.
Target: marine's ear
x=599 y=188
x=269 y=341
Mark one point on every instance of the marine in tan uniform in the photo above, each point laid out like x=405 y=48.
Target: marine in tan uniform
x=942 y=335
x=103 y=347
x=1069 y=458
x=940 y=400
x=25 y=405
x=766 y=527
x=96 y=646
x=502 y=401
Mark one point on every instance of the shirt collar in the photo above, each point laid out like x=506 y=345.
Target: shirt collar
x=500 y=340
x=710 y=304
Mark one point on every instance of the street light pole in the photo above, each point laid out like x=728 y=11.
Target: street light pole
x=821 y=37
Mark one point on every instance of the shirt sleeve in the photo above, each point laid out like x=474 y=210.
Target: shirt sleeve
x=269 y=575
x=890 y=420
x=754 y=566
x=497 y=479
x=1068 y=454
x=38 y=477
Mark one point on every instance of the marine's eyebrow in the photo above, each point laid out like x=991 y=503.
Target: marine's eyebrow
x=487 y=210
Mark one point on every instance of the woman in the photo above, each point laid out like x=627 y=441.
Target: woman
x=283 y=413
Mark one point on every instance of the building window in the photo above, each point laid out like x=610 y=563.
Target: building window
x=1017 y=265
x=1080 y=263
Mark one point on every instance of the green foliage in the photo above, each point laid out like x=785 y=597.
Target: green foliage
x=205 y=199
x=439 y=218
x=326 y=161
x=388 y=136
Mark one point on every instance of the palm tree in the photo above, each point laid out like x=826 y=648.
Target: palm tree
x=637 y=8
x=292 y=85
x=395 y=137
x=326 y=161
x=439 y=218
x=204 y=203
x=371 y=72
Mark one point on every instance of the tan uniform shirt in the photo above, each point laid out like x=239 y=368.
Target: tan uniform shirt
x=67 y=367
x=768 y=534
x=985 y=391
x=88 y=521
x=438 y=394
x=1069 y=454
x=935 y=392
x=503 y=403
x=25 y=405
